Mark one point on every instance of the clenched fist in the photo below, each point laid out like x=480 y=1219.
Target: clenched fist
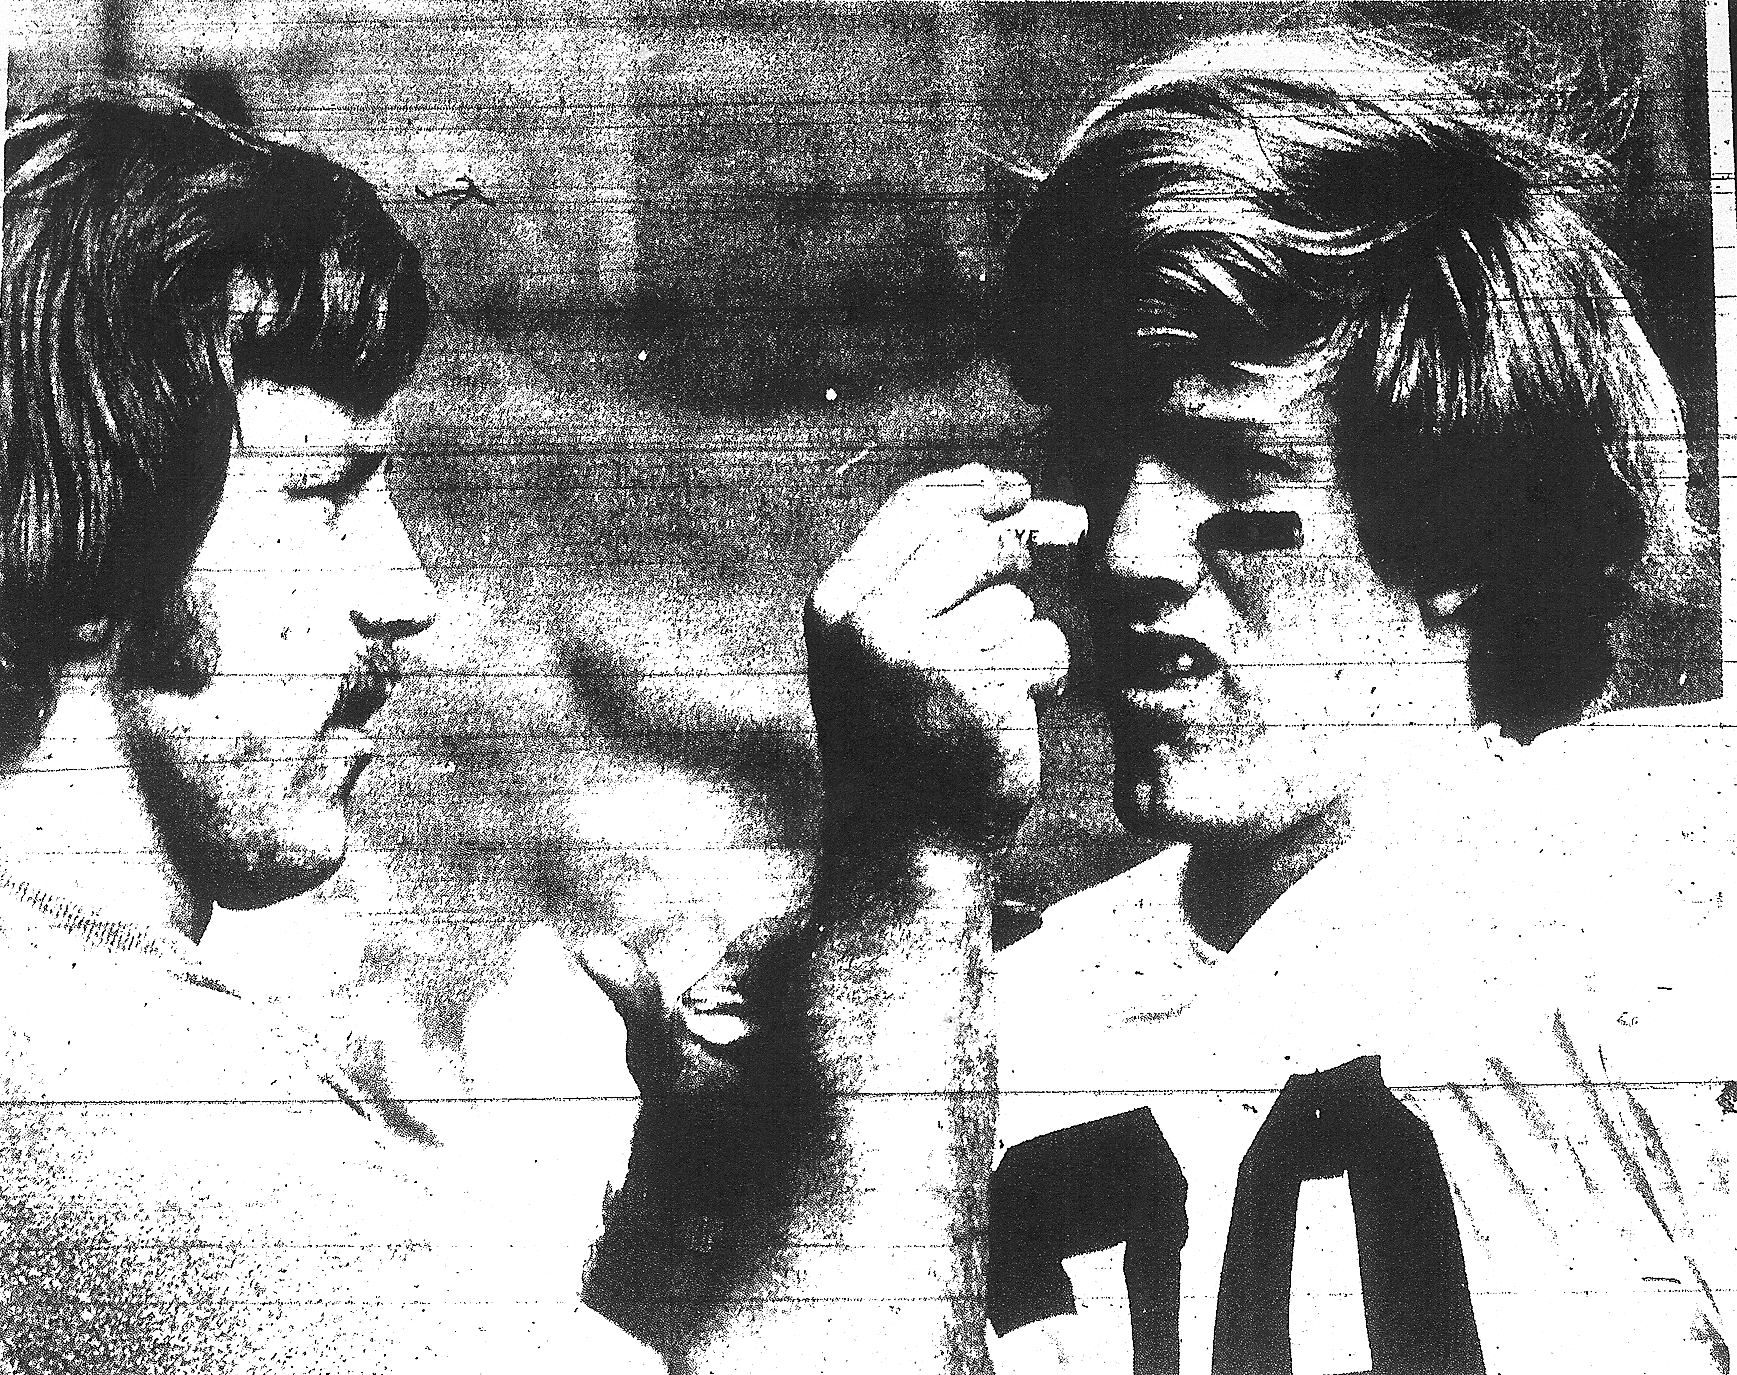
x=923 y=659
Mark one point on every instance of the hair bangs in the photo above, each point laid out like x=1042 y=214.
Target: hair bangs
x=1159 y=250
x=346 y=313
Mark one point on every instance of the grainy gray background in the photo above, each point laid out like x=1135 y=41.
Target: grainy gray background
x=720 y=283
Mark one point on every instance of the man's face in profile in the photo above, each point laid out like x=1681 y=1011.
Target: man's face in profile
x=1253 y=662
x=245 y=704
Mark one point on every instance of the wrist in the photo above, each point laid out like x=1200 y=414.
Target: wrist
x=881 y=866
x=863 y=821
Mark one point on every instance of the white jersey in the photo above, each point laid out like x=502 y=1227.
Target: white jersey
x=1459 y=1101
x=186 y=1186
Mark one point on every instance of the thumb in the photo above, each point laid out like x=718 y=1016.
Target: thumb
x=624 y=978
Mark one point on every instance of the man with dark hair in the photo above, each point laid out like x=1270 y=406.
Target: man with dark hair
x=205 y=583
x=1375 y=457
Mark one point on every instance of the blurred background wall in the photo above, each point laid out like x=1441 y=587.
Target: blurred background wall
x=711 y=280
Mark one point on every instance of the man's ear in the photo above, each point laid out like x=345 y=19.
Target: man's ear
x=1446 y=605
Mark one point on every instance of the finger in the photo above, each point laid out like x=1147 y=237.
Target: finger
x=986 y=621
x=939 y=569
x=939 y=501
x=713 y=1023
x=954 y=565
x=1032 y=658
x=1049 y=522
x=973 y=490
x=624 y=979
x=915 y=515
x=716 y=1009
x=1044 y=651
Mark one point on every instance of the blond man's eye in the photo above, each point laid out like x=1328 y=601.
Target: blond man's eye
x=1250 y=532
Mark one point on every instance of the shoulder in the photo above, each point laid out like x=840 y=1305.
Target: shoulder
x=1628 y=765
x=171 y=1153
x=1641 y=808
x=1117 y=952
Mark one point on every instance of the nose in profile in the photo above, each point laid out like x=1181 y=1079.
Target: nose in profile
x=393 y=598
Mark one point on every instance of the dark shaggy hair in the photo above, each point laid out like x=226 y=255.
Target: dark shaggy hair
x=1336 y=199
x=156 y=259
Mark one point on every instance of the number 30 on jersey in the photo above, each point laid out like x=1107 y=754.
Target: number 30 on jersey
x=1116 y=1180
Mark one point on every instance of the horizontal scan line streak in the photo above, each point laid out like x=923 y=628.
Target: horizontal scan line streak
x=630 y=675
x=884 y=1096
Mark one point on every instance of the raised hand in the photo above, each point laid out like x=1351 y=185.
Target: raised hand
x=923 y=658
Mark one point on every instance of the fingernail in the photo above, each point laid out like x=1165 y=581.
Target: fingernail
x=1052 y=522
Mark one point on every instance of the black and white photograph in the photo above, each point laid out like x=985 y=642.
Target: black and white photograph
x=977 y=687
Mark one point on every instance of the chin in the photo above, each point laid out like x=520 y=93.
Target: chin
x=1211 y=799
x=1232 y=798
x=259 y=860
x=1146 y=811
x=282 y=858
x=255 y=883
x=244 y=831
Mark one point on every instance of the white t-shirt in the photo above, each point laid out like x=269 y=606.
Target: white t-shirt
x=1473 y=1058
x=188 y=1188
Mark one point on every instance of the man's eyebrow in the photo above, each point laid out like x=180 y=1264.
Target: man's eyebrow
x=346 y=464
x=1215 y=441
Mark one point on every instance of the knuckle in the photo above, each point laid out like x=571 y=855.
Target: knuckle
x=1050 y=654
x=822 y=608
x=888 y=640
x=919 y=488
x=1019 y=605
x=1048 y=635
x=907 y=516
x=830 y=604
x=961 y=474
x=1011 y=550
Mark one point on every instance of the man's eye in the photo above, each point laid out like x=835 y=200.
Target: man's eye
x=1250 y=532
x=337 y=494
x=338 y=491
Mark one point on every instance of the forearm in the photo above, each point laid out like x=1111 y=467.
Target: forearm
x=826 y=1204
x=897 y=1013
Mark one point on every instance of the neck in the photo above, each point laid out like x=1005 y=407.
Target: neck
x=78 y=830
x=1227 y=887
x=1230 y=883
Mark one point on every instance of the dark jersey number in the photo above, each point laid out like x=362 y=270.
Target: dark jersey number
x=1117 y=1180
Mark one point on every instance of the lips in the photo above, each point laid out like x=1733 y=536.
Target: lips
x=1137 y=659
x=365 y=688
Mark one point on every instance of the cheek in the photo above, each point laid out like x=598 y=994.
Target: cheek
x=292 y=624
x=177 y=648
x=1326 y=644
x=1326 y=602
x=275 y=568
